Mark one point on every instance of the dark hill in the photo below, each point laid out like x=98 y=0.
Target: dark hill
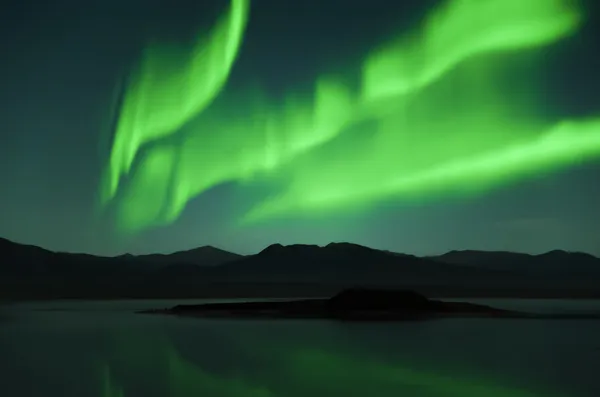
x=202 y=256
x=555 y=263
x=21 y=258
x=30 y=272
x=345 y=263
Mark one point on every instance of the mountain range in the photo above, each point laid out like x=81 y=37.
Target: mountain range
x=31 y=272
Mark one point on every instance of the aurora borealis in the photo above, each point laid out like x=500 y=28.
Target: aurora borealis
x=415 y=126
x=216 y=127
x=301 y=144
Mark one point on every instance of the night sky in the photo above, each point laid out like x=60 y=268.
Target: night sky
x=62 y=64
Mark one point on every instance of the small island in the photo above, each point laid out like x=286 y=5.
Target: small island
x=349 y=305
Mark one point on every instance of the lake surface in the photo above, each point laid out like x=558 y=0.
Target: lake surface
x=89 y=349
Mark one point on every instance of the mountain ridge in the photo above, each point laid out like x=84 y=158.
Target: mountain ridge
x=552 y=261
x=4 y=240
x=27 y=271
x=175 y=256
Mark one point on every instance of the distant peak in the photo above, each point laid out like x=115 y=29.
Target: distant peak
x=334 y=247
x=205 y=248
x=348 y=247
x=343 y=244
x=573 y=254
x=272 y=248
x=557 y=253
x=465 y=252
x=292 y=248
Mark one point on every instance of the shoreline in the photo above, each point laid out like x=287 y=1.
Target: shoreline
x=462 y=298
x=286 y=291
x=373 y=318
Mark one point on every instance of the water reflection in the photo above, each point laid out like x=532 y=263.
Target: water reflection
x=237 y=362
x=110 y=352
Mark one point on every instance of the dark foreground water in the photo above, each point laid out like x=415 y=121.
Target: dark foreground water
x=89 y=349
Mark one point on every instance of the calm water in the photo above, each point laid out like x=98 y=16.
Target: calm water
x=88 y=349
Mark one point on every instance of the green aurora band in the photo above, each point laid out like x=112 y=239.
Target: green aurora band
x=166 y=93
x=433 y=116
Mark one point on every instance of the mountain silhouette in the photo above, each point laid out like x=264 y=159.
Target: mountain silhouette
x=343 y=262
x=201 y=256
x=30 y=259
x=556 y=263
x=28 y=272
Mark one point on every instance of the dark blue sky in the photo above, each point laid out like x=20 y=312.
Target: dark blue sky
x=62 y=60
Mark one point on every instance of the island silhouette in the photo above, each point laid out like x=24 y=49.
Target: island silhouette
x=359 y=304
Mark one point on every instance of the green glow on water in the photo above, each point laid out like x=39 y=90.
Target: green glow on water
x=288 y=368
